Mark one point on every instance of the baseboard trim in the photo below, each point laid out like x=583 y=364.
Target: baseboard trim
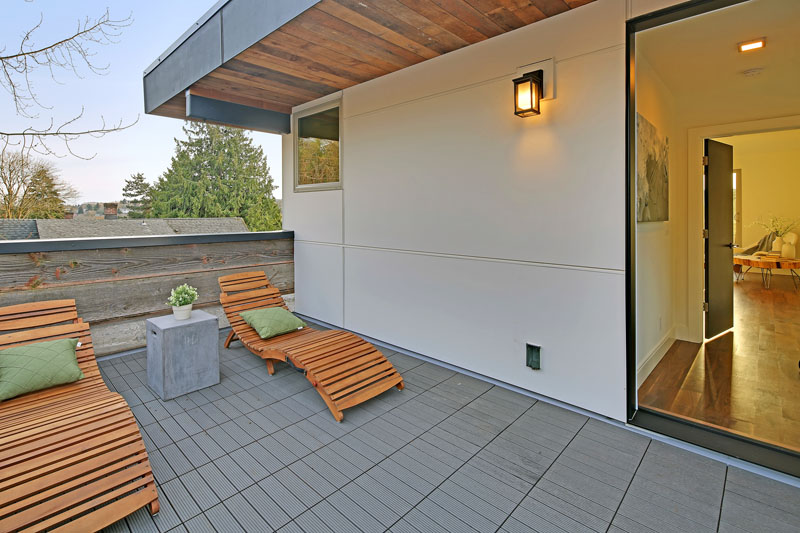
x=647 y=365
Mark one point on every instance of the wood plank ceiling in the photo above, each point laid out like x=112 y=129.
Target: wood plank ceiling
x=340 y=43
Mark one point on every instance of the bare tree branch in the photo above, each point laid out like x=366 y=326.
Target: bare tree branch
x=73 y=53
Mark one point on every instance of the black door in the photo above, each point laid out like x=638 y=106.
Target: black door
x=719 y=240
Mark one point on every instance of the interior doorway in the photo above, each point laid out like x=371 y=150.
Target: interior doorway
x=743 y=377
x=716 y=341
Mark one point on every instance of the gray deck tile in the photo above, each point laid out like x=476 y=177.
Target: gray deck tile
x=539 y=515
x=181 y=500
x=220 y=484
x=332 y=518
x=443 y=517
x=291 y=527
x=213 y=412
x=266 y=506
x=383 y=510
x=315 y=478
x=764 y=491
x=233 y=472
x=208 y=445
x=750 y=515
x=201 y=491
x=177 y=461
x=157 y=435
x=298 y=447
x=188 y=423
x=298 y=487
x=245 y=514
x=352 y=442
x=193 y=452
x=223 y=439
x=395 y=492
x=199 y=524
x=486 y=504
x=199 y=417
x=157 y=409
x=238 y=434
x=286 y=499
x=311 y=523
x=360 y=517
x=222 y=520
x=462 y=511
x=141 y=522
x=283 y=454
x=162 y=471
x=333 y=469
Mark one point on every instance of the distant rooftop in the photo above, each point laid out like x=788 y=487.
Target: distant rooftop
x=11 y=229
x=14 y=229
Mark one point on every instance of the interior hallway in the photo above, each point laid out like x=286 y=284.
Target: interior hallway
x=747 y=380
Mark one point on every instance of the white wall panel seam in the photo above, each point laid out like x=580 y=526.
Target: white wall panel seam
x=613 y=271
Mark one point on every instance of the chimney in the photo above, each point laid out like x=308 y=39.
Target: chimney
x=68 y=215
x=110 y=210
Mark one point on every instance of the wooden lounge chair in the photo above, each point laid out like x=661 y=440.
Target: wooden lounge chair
x=345 y=369
x=71 y=456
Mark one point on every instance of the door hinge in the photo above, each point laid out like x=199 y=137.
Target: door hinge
x=705 y=234
x=705 y=160
x=705 y=307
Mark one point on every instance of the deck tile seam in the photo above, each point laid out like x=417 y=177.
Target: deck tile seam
x=641 y=460
x=542 y=475
x=722 y=498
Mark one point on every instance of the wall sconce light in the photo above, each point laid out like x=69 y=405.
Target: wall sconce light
x=528 y=93
x=752 y=45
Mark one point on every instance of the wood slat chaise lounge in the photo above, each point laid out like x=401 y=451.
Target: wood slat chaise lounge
x=345 y=369
x=71 y=456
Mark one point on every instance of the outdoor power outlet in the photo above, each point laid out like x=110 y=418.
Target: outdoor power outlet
x=533 y=356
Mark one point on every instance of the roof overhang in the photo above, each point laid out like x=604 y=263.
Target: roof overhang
x=247 y=63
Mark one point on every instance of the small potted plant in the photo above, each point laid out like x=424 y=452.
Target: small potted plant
x=181 y=299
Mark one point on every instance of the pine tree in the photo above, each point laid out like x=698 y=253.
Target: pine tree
x=217 y=172
x=137 y=193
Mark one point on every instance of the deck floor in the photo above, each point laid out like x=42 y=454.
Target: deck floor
x=448 y=453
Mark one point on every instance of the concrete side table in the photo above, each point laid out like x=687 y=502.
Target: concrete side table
x=182 y=355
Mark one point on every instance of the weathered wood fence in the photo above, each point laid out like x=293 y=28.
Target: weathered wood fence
x=118 y=283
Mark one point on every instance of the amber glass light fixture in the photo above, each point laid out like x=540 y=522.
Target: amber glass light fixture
x=528 y=94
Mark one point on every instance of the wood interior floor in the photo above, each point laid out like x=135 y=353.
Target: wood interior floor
x=746 y=381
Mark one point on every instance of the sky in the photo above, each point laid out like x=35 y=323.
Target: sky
x=145 y=147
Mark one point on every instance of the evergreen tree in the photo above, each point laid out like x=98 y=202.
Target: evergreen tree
x=137 y=194
x=217 y=172
x=80 y=209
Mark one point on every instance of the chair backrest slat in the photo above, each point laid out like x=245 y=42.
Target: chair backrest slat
x=244 y=281
x=37 y=314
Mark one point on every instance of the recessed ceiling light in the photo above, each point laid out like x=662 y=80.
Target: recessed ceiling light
x=752 y=45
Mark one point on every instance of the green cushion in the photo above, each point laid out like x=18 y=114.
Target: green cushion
x=272 y=321
x=38 y=366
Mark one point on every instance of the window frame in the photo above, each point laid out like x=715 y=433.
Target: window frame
x=310 y=187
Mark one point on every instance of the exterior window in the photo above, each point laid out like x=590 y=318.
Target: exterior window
x=317 y=150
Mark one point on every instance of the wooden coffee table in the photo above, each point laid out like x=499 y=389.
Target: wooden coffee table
x=767 y=264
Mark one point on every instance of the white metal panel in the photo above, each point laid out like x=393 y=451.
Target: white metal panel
x=318 y=280
x=459 y=173
x=479 y=314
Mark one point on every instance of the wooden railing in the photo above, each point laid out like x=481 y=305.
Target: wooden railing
x=117 y=283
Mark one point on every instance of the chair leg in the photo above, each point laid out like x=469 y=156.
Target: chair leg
x=400 y=386
x=270 y=367
x=337 y=414
x=230 y=339
x=153 y=507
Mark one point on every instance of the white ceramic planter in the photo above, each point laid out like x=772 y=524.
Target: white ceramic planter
x=777 y=244
x=182 y=312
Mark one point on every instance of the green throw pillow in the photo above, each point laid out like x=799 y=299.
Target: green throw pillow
x=38 y=366
x=272 y=321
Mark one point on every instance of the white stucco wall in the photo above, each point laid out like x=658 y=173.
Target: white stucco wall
x=463 y=232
